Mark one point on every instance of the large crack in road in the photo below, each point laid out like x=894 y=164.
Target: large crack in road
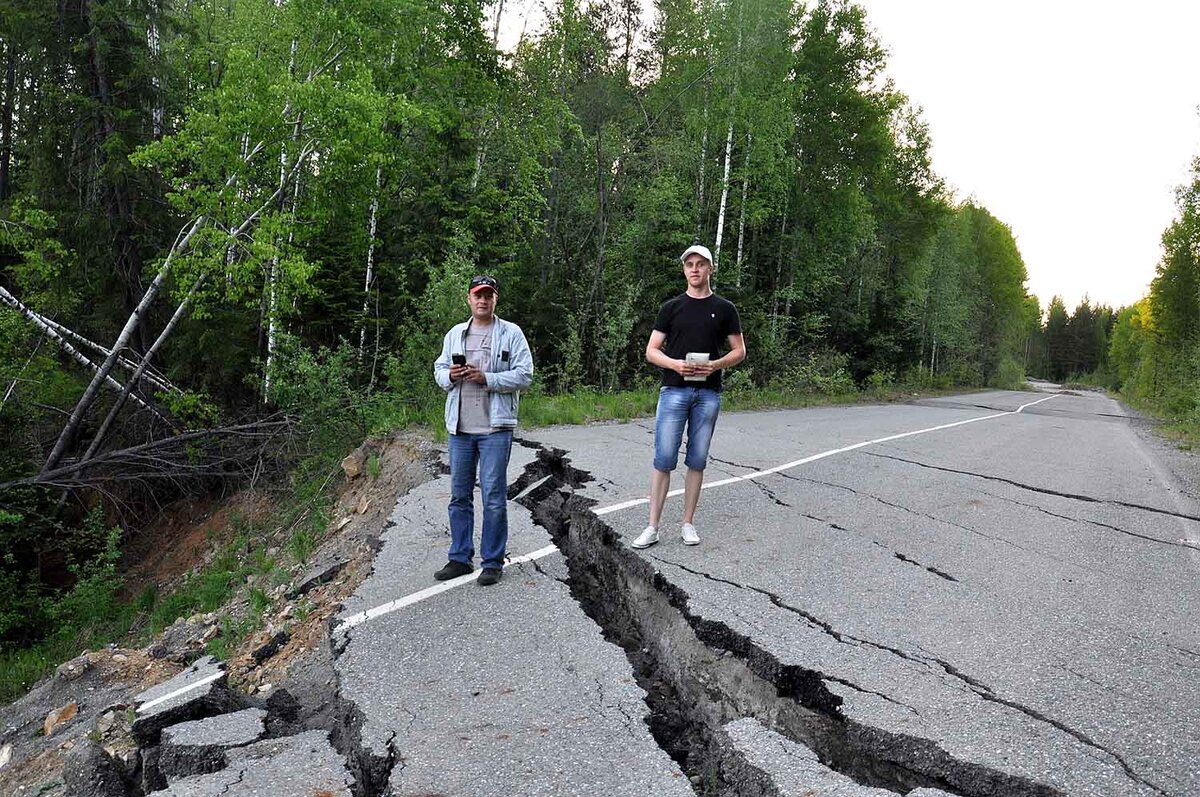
x=700 y=674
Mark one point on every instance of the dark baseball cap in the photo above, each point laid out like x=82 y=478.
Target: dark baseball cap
x=481 y=282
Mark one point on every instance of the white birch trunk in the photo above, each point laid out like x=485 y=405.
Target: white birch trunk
x=231 y=247
x=157 y=114
x=703 y=160
x=742 y=219
x=13 y=384
x=370 y=275
x=273 y=271
x=724 y=196
x=153 y=378
x=135 y=318
x=181 y=245
x=496 y=27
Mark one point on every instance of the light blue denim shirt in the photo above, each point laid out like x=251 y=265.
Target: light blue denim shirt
x=511 y=372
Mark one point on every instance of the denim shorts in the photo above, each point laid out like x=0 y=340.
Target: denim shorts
x=695 y=407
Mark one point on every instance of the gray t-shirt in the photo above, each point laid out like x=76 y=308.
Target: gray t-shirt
x=474 y=408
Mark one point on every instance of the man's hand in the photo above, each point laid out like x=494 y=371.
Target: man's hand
x=458 y=372
x=685 y=368
x=473 y=374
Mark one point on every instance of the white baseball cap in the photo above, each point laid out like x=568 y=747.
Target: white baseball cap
x=697 y=249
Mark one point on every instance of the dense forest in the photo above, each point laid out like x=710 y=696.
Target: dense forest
x=228 y=227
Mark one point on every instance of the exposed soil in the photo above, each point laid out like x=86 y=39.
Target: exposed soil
x=289 y=649
x=180 y=537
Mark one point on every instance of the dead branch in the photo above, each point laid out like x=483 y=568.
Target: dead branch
x=231 y=452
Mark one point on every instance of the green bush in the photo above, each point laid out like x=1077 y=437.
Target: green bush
x=1009 y=375
x=881 y=382
x=825 y=372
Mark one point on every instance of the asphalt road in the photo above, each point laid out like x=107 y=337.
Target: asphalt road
x=967 y=588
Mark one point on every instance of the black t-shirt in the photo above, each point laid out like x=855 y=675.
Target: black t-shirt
x=696 y=325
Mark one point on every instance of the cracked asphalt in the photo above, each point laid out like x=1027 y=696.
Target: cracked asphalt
x=1021 y=592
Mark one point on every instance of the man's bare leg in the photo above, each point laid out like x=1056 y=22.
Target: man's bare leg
x=691 y=493
x=660 y=485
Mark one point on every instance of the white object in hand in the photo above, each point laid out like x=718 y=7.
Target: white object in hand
x=696 y=357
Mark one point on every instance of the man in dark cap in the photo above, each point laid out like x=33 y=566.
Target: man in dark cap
x=484 y=364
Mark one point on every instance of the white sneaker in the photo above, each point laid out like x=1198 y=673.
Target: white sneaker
x=647 y=538
x=688 y=532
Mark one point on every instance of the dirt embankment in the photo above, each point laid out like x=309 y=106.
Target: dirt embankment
x=274 y=630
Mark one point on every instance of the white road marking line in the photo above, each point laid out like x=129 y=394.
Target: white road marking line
x=429 y=592
x=183 y=690
x=416 y=597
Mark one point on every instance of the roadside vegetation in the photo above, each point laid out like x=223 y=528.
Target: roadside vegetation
x=1149 y=352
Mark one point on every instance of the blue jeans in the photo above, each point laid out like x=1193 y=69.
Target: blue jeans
x=488 y=454
x=697 y=407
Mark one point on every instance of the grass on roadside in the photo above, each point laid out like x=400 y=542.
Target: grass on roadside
x=1182 y=431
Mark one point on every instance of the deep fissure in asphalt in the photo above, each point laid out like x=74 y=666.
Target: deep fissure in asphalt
x=699 y=674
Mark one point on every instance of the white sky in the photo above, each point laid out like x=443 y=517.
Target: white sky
x=1071 y=121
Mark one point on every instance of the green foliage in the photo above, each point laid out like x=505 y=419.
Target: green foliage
x=318 y=391
x=1154 y=351
x=1008 y=375
x=1078 y=343
x=586 y=406
x=86 y=615
x=301 y=544
x=94 y=596
x=819 y=373
x=881 y=382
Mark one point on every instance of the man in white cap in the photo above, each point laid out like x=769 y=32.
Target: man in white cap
x=689 y=333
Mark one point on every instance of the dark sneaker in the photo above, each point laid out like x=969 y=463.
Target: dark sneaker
x=453 y=569
x=489 y=576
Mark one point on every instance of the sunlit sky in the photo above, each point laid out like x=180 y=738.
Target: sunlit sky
x=1071 y=121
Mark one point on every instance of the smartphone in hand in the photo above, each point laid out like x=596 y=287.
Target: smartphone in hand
x=458 y=359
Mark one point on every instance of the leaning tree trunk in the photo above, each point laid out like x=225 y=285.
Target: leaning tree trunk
x=131 y=325
x=13 y=384
x=181 y=245
x=130 y=386
x=62 y=342
x=156 y=379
